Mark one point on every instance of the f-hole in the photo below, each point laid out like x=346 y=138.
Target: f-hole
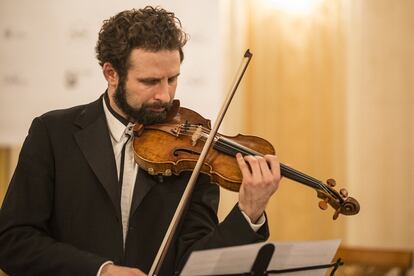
x=177 y=152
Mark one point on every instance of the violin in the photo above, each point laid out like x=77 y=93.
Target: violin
x=175 y=146
x=186 y=141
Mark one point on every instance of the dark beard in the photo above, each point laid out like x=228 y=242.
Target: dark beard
x=140 y=115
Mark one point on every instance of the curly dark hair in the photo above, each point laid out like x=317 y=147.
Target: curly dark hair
x=150 y=28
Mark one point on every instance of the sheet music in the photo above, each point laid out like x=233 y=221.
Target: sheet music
x=239 y=259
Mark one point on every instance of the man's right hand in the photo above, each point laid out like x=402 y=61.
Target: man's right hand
x=112 y=270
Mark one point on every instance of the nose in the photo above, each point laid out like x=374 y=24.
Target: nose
x=163 y=92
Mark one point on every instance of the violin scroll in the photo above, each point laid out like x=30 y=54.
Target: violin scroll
x=340 y=202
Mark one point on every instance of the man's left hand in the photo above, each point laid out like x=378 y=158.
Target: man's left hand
x=261 y=177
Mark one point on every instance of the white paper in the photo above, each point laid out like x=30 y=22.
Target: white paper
x=239 y=259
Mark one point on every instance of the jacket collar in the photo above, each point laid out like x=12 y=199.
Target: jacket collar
x=94 y=142
x=117 y=125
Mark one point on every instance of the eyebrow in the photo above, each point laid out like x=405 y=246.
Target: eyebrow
x=154 y=79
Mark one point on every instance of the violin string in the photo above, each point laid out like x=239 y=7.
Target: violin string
x=234 y=147
x=295 y=175
x=298 y=176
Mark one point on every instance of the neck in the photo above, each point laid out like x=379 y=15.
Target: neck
x=114 y=109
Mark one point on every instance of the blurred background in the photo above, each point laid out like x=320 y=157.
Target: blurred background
x=330 y=85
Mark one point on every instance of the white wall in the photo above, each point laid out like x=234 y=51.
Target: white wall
x=47 y=58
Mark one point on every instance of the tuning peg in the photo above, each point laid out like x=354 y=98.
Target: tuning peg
x=323 y=204
x=337 y=212
x=331 y=182
x=343 y=192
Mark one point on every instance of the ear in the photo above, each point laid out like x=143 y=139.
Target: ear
x=110 y=74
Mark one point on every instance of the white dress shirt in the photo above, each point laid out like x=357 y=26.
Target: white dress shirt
x=121 y=134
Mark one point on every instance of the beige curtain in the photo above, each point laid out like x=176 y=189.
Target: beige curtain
x=293 y=98
x=4 y=171
x=380 y=116
x=331 y=86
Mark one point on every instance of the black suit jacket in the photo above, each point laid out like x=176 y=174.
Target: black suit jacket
x=61 y=214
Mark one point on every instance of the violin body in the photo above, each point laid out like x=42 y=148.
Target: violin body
x=175 y=146
x=171 y=148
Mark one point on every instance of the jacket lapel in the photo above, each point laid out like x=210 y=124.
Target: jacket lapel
x=143 y=184
x=94 y=141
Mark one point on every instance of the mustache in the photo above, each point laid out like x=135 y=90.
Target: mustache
x=157 y=105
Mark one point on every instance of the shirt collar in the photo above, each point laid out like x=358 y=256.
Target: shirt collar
x=117 y=125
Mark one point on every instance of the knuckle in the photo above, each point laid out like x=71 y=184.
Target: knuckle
x=269 y=180
x=248 y=180
x=252 y=159
x=271 y=157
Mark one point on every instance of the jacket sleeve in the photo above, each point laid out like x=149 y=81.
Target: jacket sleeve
x=27 y=246
x=200 y=229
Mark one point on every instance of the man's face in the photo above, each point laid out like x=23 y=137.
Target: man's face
x=146 y=94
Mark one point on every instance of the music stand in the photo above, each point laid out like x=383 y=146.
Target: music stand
x=262 y=255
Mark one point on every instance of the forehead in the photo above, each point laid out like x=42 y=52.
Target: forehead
x=162 y=63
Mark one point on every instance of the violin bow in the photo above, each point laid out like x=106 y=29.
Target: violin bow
x=184 y=201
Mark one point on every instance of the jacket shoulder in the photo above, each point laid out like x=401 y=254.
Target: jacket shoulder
x=73 y=115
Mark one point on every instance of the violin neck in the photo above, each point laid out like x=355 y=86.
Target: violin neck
x=232 y=148
x=300 y=177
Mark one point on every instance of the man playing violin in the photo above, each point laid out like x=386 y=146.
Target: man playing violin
x=79 y=205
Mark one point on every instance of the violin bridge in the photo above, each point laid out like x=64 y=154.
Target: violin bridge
x=196 y=135
x=176 y=131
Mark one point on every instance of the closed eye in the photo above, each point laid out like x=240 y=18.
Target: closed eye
x=150 y=82
x=155 y=81
x=173 y=79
